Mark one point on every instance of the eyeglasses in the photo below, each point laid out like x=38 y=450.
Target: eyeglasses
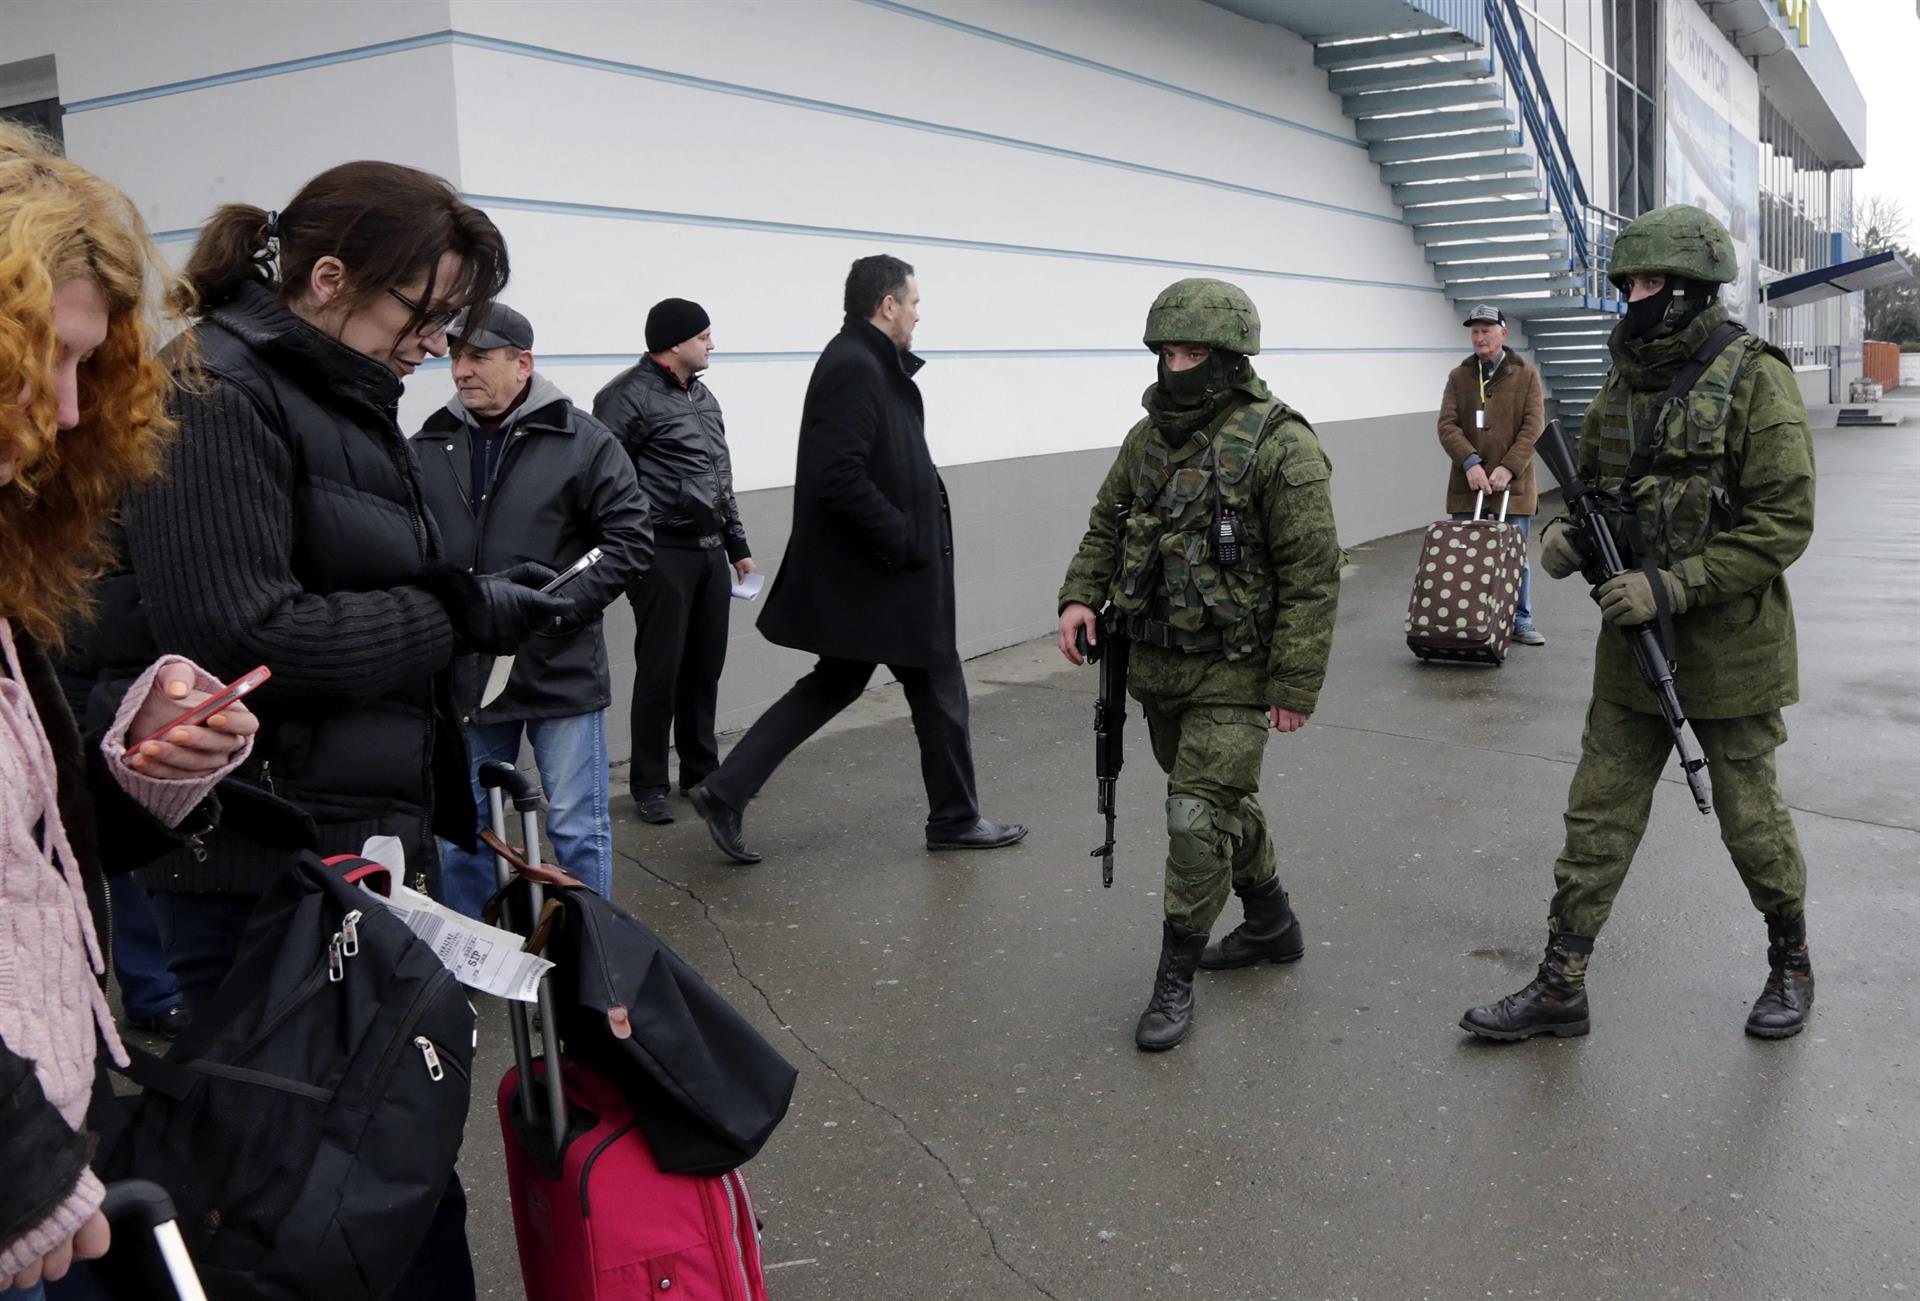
x=431 y=322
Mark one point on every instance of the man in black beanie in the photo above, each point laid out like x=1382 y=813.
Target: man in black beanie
x=671 y=426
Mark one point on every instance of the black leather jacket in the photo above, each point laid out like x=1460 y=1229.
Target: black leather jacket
x=678 y=443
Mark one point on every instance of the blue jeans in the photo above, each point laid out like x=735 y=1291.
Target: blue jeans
x=147 y=986
x=1522 y=608
x=571 y=754
x=202 y=934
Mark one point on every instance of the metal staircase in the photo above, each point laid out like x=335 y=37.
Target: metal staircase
x=1462 y=129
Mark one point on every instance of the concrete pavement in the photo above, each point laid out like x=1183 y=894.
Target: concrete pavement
x=973 y=1120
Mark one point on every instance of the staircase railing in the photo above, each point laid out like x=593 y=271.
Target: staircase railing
x=1529 y=84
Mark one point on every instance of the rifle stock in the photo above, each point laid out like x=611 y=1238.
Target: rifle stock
x=1603 y=562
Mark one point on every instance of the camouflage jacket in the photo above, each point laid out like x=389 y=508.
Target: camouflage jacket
x=1726 y=505
x=1293 y=519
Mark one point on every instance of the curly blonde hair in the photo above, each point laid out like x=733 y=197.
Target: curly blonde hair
x=60 y=222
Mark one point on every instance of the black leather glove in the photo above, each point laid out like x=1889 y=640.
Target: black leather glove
x=494 y=613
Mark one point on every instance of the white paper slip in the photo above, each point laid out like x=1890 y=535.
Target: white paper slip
x=745 y=589
x=480 y=956
x=496 y=680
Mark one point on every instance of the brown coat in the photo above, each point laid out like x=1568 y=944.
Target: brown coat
x=1515 y=417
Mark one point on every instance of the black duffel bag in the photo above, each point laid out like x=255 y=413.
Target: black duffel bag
x=308 y=1122
x=705 y=1086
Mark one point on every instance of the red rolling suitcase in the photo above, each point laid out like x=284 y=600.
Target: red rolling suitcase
x=1465 y=587
x=595 y=1218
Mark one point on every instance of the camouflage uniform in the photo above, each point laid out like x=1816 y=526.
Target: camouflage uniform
x=1721 y=496
x=1231 y=640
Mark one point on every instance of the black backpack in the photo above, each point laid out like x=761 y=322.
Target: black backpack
x=308 y=1122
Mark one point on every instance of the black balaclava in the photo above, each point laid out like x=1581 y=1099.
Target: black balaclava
x=1184 y=401
x=1671 y=310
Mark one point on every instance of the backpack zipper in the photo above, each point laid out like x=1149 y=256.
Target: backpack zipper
x=377 y=1084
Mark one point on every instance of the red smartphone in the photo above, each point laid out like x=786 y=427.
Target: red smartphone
x=220 y=699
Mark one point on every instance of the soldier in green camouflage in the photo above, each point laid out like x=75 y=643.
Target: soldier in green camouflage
x=1716 y=485
x=1213 y=539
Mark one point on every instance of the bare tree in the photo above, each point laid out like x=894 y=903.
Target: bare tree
x=1879 y=223
x=1893 y=311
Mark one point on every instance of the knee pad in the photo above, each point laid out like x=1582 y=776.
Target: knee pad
x=1193 y=838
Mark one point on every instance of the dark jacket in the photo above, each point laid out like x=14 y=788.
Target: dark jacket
x=563 y=487
x=868 y=572
x=1515 y=417
x=678 y=443
x=289 y=529
x=41 y=1155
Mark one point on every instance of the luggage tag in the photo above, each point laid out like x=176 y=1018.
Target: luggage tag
x=480 y=956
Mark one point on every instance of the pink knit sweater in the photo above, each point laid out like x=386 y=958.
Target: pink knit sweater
x=50 y=959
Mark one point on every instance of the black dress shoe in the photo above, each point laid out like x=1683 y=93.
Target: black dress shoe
x=652 y=807
x=166 y=1024
x=723 y=824
x=984 y=834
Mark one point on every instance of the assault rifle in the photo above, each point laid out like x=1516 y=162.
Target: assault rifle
x=1112 y=653
x=1586 y=512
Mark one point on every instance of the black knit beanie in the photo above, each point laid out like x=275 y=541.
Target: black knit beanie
x=674 y=321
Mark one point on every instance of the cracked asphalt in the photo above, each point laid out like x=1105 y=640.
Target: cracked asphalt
x=973 y=1121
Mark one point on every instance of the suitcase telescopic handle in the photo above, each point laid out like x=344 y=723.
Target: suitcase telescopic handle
x=500 y=775
x=500 y=780
x=1480 y=499
x=140 y=1203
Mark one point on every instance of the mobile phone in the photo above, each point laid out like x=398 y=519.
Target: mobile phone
x=220 y=699
x=574 y=570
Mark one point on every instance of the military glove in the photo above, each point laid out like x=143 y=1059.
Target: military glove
x=1628 y=598
x=1560 y=553
x=494 y=613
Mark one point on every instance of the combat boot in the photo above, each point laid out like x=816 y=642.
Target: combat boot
x=1270 y=933
x=1169 y=1012
x=1554 y=1002
x=1786 y=1002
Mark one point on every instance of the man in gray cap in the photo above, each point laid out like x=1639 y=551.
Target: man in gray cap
x=1490 y=418
x=514 y=472
x=671 y=426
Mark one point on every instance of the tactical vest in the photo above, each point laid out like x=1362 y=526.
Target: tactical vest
x=1674 y=483
x=1169 y=566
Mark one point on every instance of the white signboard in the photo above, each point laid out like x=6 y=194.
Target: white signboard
x=1713 y=130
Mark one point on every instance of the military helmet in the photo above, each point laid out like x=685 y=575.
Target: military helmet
x=1678 y=240
x=1212 y=312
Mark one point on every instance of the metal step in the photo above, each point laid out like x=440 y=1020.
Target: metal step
x=1454 y=273
x=1489 y=229
x=1596 y=328
x=1466 y=142
x=1451 y=169
x=1517 y=305
x=1426 y=124
x=1484 y=187
x=1430 y=214
x=1420 y=98
x=1595 y=366
x=1495 y=287
x=1847 y=420
x=1486 y=250
x=1388 y=49
x=1428 y=73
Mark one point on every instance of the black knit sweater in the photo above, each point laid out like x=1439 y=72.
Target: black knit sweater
x=288 y=530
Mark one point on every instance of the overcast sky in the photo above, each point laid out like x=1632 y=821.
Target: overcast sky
x=1881 y=39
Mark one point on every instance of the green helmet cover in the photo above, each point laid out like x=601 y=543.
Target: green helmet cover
x=1679 y=239
x=1212 y=312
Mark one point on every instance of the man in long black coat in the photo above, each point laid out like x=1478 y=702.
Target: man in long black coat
x=868 y=574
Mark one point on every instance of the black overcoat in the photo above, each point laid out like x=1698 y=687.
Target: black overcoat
x=868 y=571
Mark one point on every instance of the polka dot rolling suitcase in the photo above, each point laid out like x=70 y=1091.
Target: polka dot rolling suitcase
x=1464 y=589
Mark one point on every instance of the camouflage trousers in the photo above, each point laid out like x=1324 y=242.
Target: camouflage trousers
x=1622 y=755
x=1216 y=832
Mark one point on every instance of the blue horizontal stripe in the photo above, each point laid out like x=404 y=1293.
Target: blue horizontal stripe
x=559 y=208
x=721 y=359
x=1078 y=61
x=353 y=55
x=524 y=50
